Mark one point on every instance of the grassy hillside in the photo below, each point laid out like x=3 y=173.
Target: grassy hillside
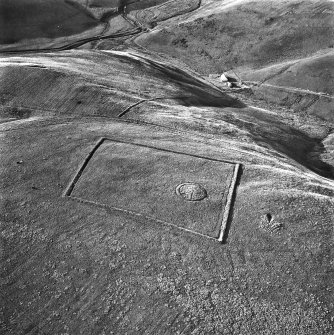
x=140 y=196
x=315 y=73
x=44 y=83
x=21 y=20
x=223 y=35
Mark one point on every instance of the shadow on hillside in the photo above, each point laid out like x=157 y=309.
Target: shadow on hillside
x=267 y=130
x=193 y=91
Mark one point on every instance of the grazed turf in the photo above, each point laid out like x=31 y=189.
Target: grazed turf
x=34 y=19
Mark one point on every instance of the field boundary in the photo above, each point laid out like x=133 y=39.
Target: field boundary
x=224 y=218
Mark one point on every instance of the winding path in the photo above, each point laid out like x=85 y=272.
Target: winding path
x=137 y=29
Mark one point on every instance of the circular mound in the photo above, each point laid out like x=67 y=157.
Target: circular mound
x=191 y=191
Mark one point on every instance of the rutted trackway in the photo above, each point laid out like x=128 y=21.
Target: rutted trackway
x=136 y=30
x=290 y=89
x=75 y=44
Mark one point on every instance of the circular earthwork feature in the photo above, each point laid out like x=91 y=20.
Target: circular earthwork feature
x=191 y=191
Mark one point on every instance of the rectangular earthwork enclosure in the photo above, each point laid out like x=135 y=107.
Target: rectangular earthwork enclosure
x=190 y=192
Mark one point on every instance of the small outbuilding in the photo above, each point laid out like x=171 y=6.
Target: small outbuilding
x=223 y=78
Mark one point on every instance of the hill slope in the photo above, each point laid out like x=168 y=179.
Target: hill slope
x=139 y=197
